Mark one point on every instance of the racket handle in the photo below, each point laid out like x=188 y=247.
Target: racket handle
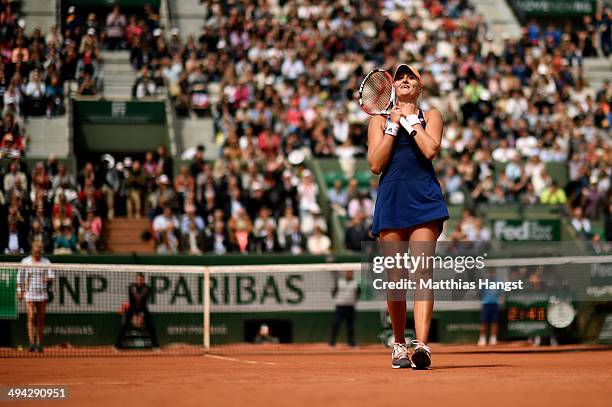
x=407 y=126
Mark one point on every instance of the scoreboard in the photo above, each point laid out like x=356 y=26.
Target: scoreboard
x=526 y=315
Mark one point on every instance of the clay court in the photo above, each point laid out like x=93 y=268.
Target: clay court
x=508 y=375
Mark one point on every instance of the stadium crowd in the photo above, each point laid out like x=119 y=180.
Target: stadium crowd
x=281 y=83
x=35 y=203
x=286 y=79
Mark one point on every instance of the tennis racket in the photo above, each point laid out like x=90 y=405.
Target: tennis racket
x=377 y=96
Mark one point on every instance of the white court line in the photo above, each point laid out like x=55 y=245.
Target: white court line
x=250 y=362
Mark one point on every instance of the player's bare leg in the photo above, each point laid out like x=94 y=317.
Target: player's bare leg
x=396 y=307
x=40 y=325
x=31 y=308
x=423 y=242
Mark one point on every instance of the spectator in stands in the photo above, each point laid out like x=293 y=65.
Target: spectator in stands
x=581 y=224
x=308 y=192
x=11 y=146
x=40 y=234
x=268 y=240
x=183 y=183
x=62 y=178
x=135 y=185
x=65 y=242
x=312 y=219
x=166 y=221
x=115 y=28
x=240 y=229
x=87 y=236
x=15 y=242
x=593 y=197
x=164 y=161
x=54 y=95
x=361 y=203
x=144 y=85
x=218 y=242
x=13 y=97
x=319 y=243
x=338 y=198
x=168 y=243
x=87 y=85
x=286 y=224
x=14 y=177
x=357 y=231
x=192 y=237
x=295 y=241
x=35 y=96
x=553 y=195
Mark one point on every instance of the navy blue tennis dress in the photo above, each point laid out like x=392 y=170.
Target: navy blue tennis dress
x=408 y=191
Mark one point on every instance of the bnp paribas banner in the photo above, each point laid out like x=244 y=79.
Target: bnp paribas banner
x=107 y=291
x=517 y=229
x=102 y=291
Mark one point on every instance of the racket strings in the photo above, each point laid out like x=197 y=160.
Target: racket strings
x=376 y=93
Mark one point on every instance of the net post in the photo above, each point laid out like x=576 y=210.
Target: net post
x=206 y=330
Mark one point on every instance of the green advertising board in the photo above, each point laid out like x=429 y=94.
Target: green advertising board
x=8 y=294
x=556 y=8
x=119 y=112
x=129 y=127
x=523 y=229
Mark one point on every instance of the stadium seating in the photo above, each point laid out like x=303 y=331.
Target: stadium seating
x=288 y=105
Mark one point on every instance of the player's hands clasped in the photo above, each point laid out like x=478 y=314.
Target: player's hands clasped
x=409 y=108
x=395 y=114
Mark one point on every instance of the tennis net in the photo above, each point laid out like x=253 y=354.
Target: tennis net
x=256 y=309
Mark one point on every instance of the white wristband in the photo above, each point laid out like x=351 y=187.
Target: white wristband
x=407 y=126
x=392 y=129
x=413 y=119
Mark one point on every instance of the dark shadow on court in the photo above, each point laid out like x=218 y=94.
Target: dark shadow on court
x=465 y=367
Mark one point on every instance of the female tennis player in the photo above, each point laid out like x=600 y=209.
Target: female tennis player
x=409 y=206
x=32 y=284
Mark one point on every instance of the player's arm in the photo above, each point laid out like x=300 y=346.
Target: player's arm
x=429 y=140
x=380 y=144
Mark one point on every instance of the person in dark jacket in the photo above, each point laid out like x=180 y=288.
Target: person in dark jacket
x=138 y=310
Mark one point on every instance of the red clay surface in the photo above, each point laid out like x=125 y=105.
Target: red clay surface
x=461 y=376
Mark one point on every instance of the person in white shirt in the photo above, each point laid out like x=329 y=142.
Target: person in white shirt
x=581 y=224
x=527 y=145
x=345 y=293
x=164 y=222
x=32 y=285
x=34 y=103
x=308 y=192
x=318 y=243
x=504 y=153
x=115 y=27
x=341 y=128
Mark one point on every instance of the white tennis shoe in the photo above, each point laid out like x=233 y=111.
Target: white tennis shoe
x=421 y=357
x=400 y=357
